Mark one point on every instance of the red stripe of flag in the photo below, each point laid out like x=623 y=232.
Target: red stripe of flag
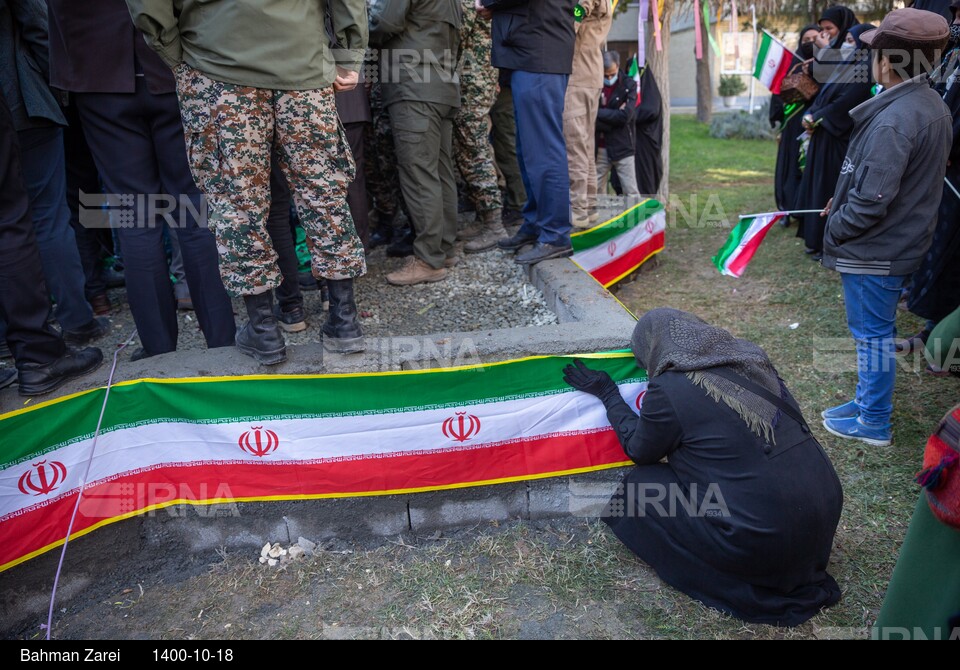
x=618 y=266
x=43 y=526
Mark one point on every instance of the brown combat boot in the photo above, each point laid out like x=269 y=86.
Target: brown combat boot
x=415 y=271
x=493 y=231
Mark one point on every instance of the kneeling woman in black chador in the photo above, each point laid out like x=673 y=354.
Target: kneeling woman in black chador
x=743 y=513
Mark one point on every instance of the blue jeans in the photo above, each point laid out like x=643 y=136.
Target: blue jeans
x=871 y=302
x=542 y=155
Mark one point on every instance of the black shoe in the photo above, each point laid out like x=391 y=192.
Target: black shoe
x=817 y=257
x=38 y=379
x=7 y=377
x=292 y=319
x=379 y=237
x=5 y=350
x=342 y=333
x=261 y=337
x=81 y=337
x=809 y=251
x=516 y=241
x=307 y=281
x=542 y=252
x=113 y=277
x=512 y=217
x=402 y=245
x=139 y=354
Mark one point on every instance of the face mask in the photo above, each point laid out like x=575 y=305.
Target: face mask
x=846 y=46
x=610 y=81
x=806 y=51
x=954 y=39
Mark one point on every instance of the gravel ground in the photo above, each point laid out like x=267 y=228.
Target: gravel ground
x=484 y=291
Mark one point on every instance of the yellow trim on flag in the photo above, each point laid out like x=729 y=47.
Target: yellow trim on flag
x=319 y=496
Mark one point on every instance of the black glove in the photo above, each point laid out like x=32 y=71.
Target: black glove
x=594 y=382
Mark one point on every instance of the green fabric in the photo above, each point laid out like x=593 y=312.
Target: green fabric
x=925 y=588
x=272 y=44
x=942 y=340
x=303 y=251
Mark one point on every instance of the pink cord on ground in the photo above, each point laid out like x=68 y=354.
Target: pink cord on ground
x=83 y=483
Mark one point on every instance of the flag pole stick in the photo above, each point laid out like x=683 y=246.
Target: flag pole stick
x=952 y=187
x=790 y=213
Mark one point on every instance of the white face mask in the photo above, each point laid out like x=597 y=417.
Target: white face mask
x=847 y=45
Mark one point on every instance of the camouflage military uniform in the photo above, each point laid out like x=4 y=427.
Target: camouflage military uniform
x=383 y=180
x=471 y=127
x=229 y=131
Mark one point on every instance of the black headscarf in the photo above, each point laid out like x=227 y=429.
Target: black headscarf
x=669 y=339
x=843 y=18
x=805 y=51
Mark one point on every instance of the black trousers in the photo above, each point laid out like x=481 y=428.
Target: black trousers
x=137 y=143
x=357 y=193
x=24 y=302
x=93 y=242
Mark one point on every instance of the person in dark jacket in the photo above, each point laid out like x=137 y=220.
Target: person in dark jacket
x=648 y=150
x=24 y=76
x=124 y=95
x=845 y=84
x=742 y=515
x=787 y=176
x=533 y=44
x=884 y=209
x=615 y=129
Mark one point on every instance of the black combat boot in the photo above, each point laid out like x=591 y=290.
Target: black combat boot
x=261 y=337
x=402 y=244
x=341 y=332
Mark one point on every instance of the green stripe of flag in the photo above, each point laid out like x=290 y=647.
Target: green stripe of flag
x=765 y=43
x=606 y=232
x=733 y=241
x=34 y=432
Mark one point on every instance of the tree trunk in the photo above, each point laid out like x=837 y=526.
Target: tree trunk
x=704 y=87
x=659 y=61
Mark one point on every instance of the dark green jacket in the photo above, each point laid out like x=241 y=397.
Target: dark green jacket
x=274 y=44
x=419 y=44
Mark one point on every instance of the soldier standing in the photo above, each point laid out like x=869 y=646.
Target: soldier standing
x=252 y=77
x=421 y=90
x=471 y=131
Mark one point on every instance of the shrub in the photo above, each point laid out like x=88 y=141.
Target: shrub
x=743 y=125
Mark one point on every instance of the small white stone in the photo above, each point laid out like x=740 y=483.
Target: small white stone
x=794 y=326
x=265 y=550
x=271 y=562
x=263 y=559
x=276 y=551
x=296 y=551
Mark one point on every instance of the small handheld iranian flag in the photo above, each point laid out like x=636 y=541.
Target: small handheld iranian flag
x=743 y=242
x=774 y=61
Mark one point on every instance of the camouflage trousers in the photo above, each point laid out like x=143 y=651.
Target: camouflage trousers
x=473 y=155
x=231 y=132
